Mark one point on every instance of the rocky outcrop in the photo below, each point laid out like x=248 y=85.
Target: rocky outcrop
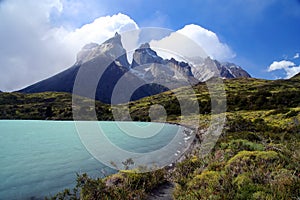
x=231 y=70
x=210 y=68
x=110 y=48
x=145 y=55
x=149 y=66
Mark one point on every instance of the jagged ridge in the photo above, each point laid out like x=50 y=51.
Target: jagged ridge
x=147 y=66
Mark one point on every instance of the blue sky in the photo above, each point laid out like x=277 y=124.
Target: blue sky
x=262 y=35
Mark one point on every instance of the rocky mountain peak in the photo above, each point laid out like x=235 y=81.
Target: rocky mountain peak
x=115 y=40
x=213 y=68
x=111 y=48
x=145 y=55
x=231 y=70
x=181 y=67
x=145 y=46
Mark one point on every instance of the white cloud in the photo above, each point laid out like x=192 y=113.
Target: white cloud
x=284 y=64
x=177 y=46
x=289 y=67
x=98 y=31
x=32 y=49
x=203 y=38
x=209 y=41
x=296 y=56
x=292 y=71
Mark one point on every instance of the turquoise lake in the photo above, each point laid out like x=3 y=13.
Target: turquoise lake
x=40 y=158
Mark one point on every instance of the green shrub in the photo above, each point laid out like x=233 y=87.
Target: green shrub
x=241 y=144
x=127 y=184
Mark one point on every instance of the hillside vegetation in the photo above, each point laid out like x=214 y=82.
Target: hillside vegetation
x=242 y=94
x=256 y=157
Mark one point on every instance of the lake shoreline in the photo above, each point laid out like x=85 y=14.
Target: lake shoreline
x=47 y=141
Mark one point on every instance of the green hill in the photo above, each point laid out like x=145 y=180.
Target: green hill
x=242 y=94
x=44 y=106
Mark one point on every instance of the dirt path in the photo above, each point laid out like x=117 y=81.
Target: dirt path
x=164 y=192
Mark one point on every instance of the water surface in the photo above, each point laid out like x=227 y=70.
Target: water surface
x=40 y=158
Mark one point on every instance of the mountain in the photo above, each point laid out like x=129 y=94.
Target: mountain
x=231 y=70
x=96 y=61
x=148 y=61
x=144 y=55
x=110 y=48
x=108 y=62
x=150 y=67
x=212 y=68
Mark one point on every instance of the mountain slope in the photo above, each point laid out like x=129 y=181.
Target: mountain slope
x=62 y=82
